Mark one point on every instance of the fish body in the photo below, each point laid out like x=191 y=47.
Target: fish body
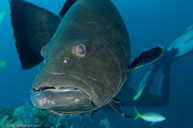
x=152 y=117
x=142 y=86
x=86 y=54
x=149 y=117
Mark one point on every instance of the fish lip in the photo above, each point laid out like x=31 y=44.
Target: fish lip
x=58 y=89
x=61 y=113
x=63 y=90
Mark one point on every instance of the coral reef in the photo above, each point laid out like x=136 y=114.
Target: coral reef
x=29 y=116
x=104 y=123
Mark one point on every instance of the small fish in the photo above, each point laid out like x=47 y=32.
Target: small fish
x=142 y=86
x=149 y=117
x=2 y=64
x=2 y=17
x=3 y=13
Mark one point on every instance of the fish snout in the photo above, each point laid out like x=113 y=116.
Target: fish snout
x=67 y=101
x=63 y=95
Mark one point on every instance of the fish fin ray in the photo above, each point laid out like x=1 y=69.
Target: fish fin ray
x=33 y=27
x=68 y=4
x=92 y=114
x=115 y=104
x=146 y=57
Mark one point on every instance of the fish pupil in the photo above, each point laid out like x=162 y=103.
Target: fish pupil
x=80 y=50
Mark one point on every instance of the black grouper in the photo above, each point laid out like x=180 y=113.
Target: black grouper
x=85 y=53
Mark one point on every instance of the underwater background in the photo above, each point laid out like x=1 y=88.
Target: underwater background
x=149 y=22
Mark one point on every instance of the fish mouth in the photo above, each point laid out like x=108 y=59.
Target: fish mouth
x=63 y=99
x=57 y=89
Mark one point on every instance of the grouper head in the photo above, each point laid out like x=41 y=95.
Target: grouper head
x=76 y=76
x=81 y=72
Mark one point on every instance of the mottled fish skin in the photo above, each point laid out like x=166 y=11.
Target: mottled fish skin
x=102 y=71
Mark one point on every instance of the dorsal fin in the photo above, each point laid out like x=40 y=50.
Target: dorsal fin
x=33 y=28
x=66 y=7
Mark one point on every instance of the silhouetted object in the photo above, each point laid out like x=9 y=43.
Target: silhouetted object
x=179 y=48
x=163 y=64
x=158 y=76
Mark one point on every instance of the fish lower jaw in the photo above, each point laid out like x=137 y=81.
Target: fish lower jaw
x=63 y=101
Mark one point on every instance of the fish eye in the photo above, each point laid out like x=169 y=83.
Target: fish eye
x=80 y=50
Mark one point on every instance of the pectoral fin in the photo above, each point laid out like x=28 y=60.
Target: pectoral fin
x=93 y=113
x=146 y=57
x=115 y=104
x=33 y=27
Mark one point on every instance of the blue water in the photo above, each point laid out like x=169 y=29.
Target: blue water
x=149 y=22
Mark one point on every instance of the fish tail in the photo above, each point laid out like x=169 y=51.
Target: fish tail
x=137 y=114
